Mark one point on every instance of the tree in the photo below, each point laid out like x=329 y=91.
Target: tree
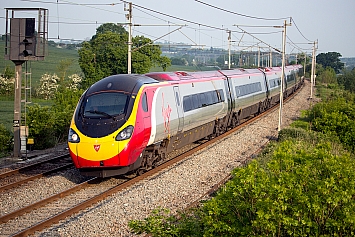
x=110 y=27
x=327 y=76
x=63 y=67
x=330 y=59
x=106 y=54
x=300 y=58
x=164 y=62
x=348 y=80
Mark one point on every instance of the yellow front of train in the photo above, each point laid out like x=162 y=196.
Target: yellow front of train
x=105 y=137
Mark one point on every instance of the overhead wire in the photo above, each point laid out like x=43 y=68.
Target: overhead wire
x=260 y=40
x=201 y=31
x=68 y=3
x=193 y=22
x=243 y=15
x=300 y=31
x=253 y=17
x=177 y=18
x=139 y=8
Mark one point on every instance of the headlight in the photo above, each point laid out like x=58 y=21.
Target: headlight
x=73 y=136
x=125 y=133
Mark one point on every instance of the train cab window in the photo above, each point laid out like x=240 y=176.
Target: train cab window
x=105 y=105
x=145 y=102
x=187 y=103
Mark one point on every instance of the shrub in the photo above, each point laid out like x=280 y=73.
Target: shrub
x=294 y=133
x=336 y=119
x=7 y=86
x=301 y=192
x=41 y=122
x=304 y=190
x=48 y=86
x=50 y=125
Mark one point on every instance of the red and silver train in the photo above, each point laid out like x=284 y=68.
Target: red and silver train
x=126 y=123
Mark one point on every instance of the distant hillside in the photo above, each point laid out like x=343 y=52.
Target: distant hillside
x=49 y=65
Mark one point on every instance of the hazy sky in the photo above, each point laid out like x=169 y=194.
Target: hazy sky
x=328 y=21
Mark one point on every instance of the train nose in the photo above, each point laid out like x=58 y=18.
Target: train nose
x=96 y=153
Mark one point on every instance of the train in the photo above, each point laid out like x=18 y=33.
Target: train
x=129 y=123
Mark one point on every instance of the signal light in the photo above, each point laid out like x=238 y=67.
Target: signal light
x=29 y=46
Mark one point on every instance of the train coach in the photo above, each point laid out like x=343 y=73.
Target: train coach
x=130 y=123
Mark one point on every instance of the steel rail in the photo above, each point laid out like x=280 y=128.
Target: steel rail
x=11 y=172
x=45 y=201
x=11 y=185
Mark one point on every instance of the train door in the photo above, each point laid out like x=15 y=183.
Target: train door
x=146 y=115
x=230 y=98
x=179 y=108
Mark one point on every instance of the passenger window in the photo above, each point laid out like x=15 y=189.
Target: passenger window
x=222 y=95
x=187 y=103
x=196 y=102
x=203 y=100
x=209 y=98
x=237 y=91
x=215 y=97
x=145 y=102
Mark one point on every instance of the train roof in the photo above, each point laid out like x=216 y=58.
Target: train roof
x=122 y=82
x=240 y=72
x=182 y=75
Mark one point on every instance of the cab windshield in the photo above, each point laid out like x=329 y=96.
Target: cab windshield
x=105 y=105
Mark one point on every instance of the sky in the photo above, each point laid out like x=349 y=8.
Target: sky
x=205 y=23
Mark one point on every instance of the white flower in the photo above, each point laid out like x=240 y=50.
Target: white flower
x=6 y=85
x=75 y=80
x=48 y=86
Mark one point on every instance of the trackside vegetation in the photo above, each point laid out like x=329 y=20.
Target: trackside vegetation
x=301 y=185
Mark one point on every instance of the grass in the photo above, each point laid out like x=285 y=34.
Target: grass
x=7 y=109
x=7 y=113
x=48 y=65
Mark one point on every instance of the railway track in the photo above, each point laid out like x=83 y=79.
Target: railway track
x=33 y=171
x=46 y=212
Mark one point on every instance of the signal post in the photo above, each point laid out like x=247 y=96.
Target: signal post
x=24 y=42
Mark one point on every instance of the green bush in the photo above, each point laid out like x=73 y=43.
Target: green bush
x=41 y=122
x=336 y=119
x=301 y=124
x=6 y=141
x=304 y=190
x=49 y=125
x=162 y=224
x=294 y=133
x=301 y=192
